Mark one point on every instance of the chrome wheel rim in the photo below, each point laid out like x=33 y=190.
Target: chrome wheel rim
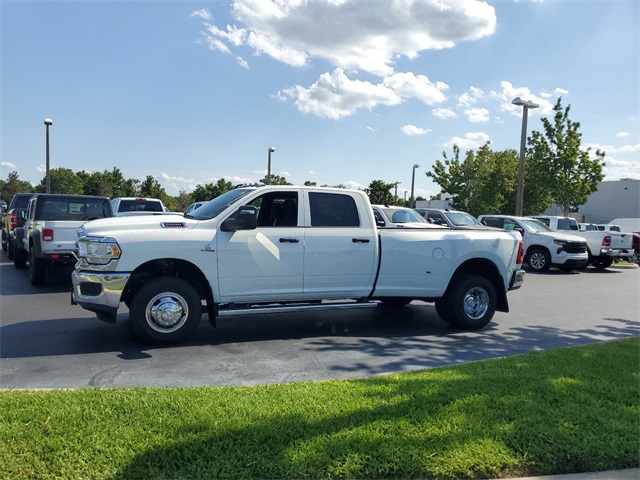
x=476 y=303
x=167 y=312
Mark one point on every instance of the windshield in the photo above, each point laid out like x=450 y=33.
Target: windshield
x=462 y=219
x=219 y=204
x=402 y=215
x=535 y=225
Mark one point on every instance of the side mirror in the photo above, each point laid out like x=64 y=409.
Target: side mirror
x=246 y=218
x=380 y=223
x=519 y=230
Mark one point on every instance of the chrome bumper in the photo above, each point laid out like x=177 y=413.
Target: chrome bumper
x=99 y=292
x=517 y=279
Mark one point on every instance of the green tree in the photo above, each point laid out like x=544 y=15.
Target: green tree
x=63 y=180
x=204 y=193
x=183 y=200
x=151 y=188
x=309 y=183
x=484 y=182
x=572 y=174
x=14 y=185
x=275 y=180
x=379 y=192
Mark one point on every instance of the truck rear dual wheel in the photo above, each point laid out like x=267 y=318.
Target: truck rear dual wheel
x=470 y=302
x=165 y=310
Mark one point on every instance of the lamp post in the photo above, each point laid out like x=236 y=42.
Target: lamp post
x=526 y=104
x=395 y=194
x=48 y=122
x=271 y=150
x=413 y=181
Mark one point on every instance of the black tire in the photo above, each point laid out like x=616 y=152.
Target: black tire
x=395 y=302
x=4 y=242
x=569 y=269
x=38 y=268
x=443 y=310
x=601 y=263
x=19 y=256
x=471 y=302
x=539 y=260
x=11 y=248
x=173 y=297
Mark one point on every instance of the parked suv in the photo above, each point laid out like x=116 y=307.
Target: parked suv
x=12 y=218
x=543 y=247
x=48 y=237
x=454 y=219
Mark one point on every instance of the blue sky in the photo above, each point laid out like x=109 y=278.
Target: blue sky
x=347 y=91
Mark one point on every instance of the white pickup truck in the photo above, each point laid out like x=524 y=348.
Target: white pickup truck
x=603 y=246
x=280 y=249
x=132 y=206
x=543 y=247
x=48 y=237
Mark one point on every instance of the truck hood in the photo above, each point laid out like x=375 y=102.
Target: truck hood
x=105 y=227
x=561 y=236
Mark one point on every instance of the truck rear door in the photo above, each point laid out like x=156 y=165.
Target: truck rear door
x=341 y=247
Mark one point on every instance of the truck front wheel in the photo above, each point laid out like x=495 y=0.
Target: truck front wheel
x=165 y=310
x=471 y=302
x=19 y=256
x=601 y=263
x=539 y=260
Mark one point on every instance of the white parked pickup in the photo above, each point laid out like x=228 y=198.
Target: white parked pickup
x=603 y=246
x=279 y=249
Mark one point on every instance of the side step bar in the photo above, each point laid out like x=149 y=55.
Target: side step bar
x=295 y=308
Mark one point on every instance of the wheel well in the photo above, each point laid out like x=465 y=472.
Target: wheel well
x=487 y=269
x=168 y=267
x=536 y=247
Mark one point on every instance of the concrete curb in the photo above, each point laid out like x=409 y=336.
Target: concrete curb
x=628 y=474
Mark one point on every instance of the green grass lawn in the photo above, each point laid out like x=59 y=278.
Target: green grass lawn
x=558 y=411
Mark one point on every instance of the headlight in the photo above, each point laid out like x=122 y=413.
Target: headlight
x=559 y=242
x=98 y=250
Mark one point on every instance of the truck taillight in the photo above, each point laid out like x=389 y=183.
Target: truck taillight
x=13 y=220
x=520 y=258
x=47 y=235
x=606 y=241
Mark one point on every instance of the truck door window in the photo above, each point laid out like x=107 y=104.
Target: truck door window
x=277 y=209
x=333 y=210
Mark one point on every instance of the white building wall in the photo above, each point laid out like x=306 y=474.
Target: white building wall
x=614 y=199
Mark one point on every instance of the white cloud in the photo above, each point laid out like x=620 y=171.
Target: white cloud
x=470 y=141
x=9 y=165
x=616 y=169
x=371 y=129
x=352 y=35
x=408 y=85
x=477 y=115
x=509 y=92
x=611 y=149
x=561 y=91
x=412 y=130
x=471 y=96
x=622 y=134
x=444 y=113
x=41 y=168
x=354 y=185
x=311 y=172
x=203 y=13
x=335 y=96
x=242 y=62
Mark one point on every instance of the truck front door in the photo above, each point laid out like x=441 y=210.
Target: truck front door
x=264 y=264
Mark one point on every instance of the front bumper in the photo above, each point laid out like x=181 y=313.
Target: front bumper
x=517 y=279
x=99 y=292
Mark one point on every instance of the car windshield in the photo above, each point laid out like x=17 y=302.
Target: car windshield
x=462 y=219
x=535 y=225
x=219 y=204
x=403 y=215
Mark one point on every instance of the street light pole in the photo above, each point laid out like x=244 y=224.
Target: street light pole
x=526 y=104
x=271 y=150
x=48 y=122
x=413 y=181
x=395 y=194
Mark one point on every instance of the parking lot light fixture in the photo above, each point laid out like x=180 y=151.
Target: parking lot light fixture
x=270 y=151
x=412 y=203
x=527 y=105
x=48 y=122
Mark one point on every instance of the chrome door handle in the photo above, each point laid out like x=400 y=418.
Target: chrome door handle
x=289 y=240
x=360 y=240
